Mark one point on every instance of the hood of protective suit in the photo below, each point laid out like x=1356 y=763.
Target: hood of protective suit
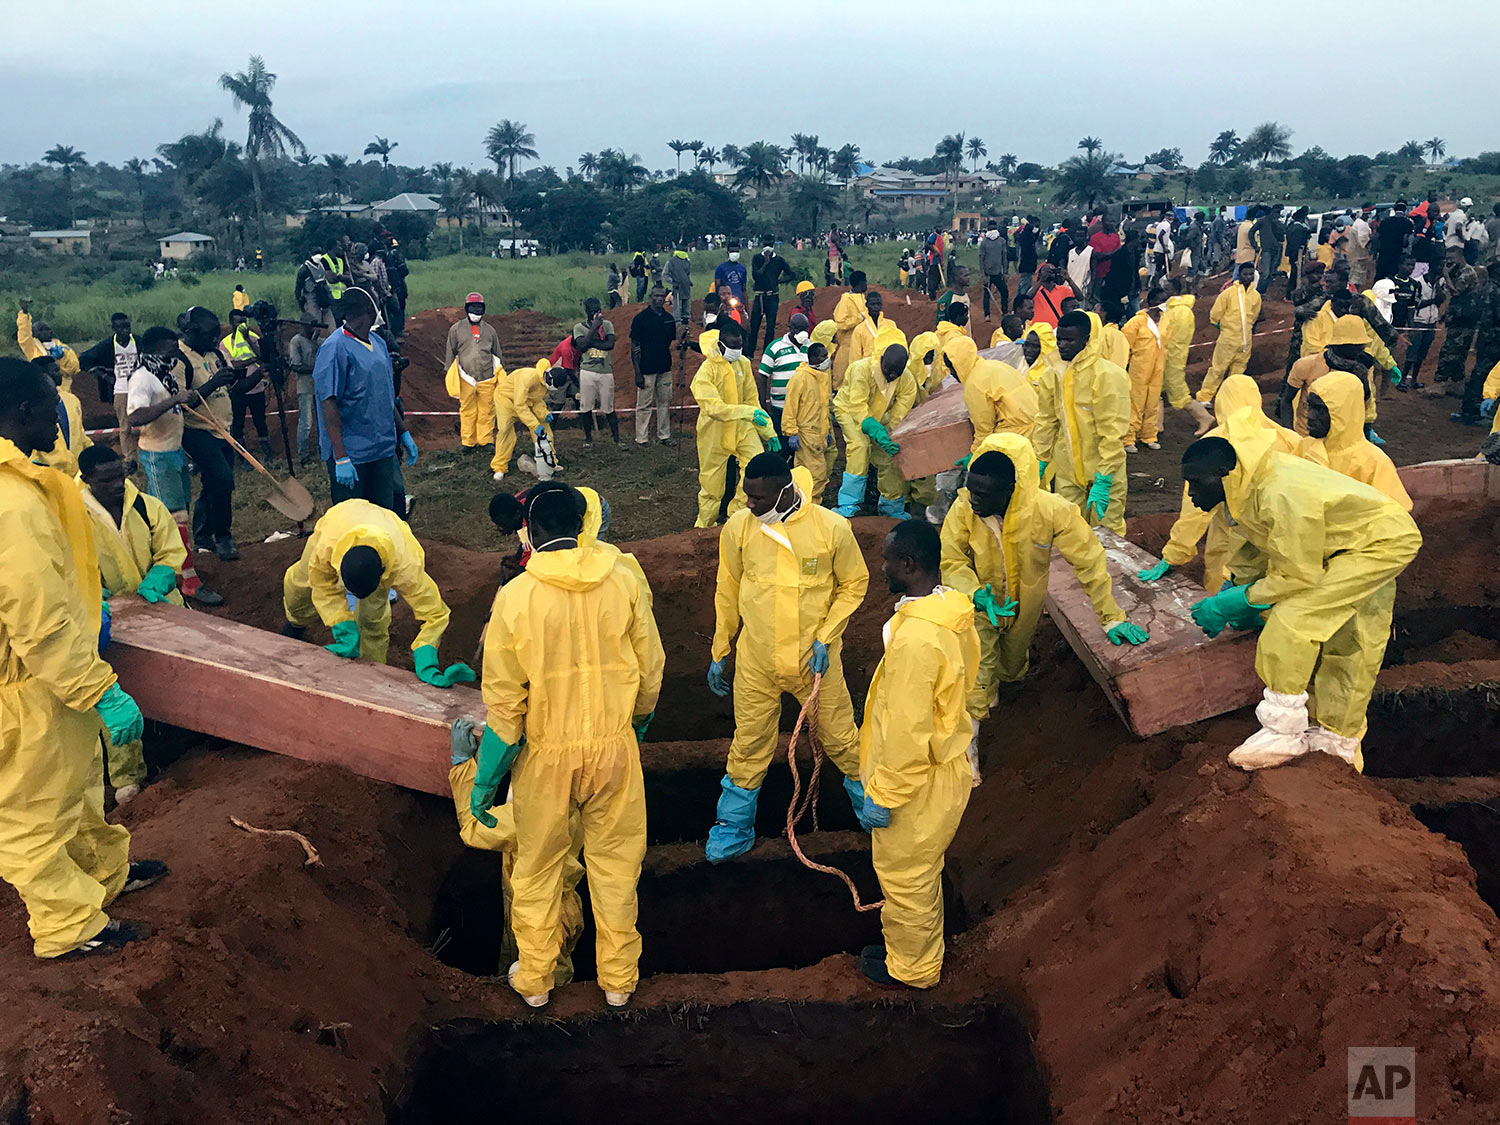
x=573 y=568
x=1343 y=393
x=948 y=610
x=1093 y=350
x=887 y=338
x=802 y=480
x=1238 y=392
x=1186 y=299
x=921 y=344
x=963 y=353
x=1045 y=336
x=822 y=333
x=367 y=535
x=1253 y=445
x=1023 y=457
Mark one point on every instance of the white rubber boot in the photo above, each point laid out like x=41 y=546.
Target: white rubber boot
x=616 y=999
x=973 y=752
x=1339 y=745
x=1202 y=416
x=533 y=1001
x=1282 y=735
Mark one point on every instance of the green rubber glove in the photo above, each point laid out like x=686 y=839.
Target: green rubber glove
x=425 y=659
x=891 y=447
x=963 y=462
x=1098 y=502
x=1127 y=633
x=642 y=723
x=1230 y=607
x=760 y=418
x=1041 y=471
x=985 y=601
x=773 y=443
x=875 y=430
x=1154 y=573
x=158 y=584
x=1395 y=374
x=122 y=718
x=495 y=760
x=345 y=640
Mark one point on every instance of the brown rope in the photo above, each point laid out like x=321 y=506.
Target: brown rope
x=801 y=804
x=313 y=859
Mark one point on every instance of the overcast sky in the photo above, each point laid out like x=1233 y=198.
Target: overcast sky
x=116 y=80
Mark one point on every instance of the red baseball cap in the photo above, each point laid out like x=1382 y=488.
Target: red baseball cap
x=474 y=299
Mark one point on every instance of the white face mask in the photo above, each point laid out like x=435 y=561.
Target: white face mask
x=824 y=366
x=800 y=339
x=732 y=354
x=777 y=512
x=475 y=318
x=709 y=318
x=734 y=255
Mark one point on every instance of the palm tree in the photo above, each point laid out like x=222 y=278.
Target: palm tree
x=679 y=147
x=799 y=149
x=845 y=162
x=442 y=172
x=382 y=148
x=1412 y=151
x=266 y=137
x=976 y=149
x=1270 y=140
x=1437 y=147
x=707 y=157
x=588 y=164
x=950 y=152
x=1086 y=179
x=1091 y=145
x=731 y=155
x=338 y=173
x=508 y=142
x=455 y=199
x=761 y=165
x=808 y=198
x=695 y=147
x=1007 y=163
x=67 y=158
x=137 y=168
x=618 y=172
x=305 y=159
x=1225 y=148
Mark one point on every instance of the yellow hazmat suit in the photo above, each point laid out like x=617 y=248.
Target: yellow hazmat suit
x=928 y=376
x=780 y=588
x=1081 y=424
x=727 y=402
x=1048 y=365
x=572 y=655
x=1116 y=347
x=528 y=397
x=1492 y=390
x=863 y=341
x=1323 y=551
x=312 y=589
x=1346 y=449
x=848 y=315
x=948 y=333
x=33 y=348
x=806 y=417
x=64 y=455
x=1177 y=328
x=56 y=849
x=867 y=394
x=1013 y=556
x=503 y=406
x=147 y=536
x=1146 y=365
x=1234 y=314
x=502 y=839
x=1239 y=397
x=999 y=398
x=476 y=403
x=913 y=761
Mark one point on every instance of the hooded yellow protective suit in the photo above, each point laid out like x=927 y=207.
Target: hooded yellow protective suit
x=312 y=589
x=1234 y=314
x=1080 y=427
x=928 y=376
x=571 y=656
x=1327 y=330
x=1177 y=328
x=1048 y=364
x=1012 y=554
x=913 y=761
x=727 y=401
x=1116 y=347
x=867 y=394
x=780 y=588
x=848 y=315
x=56 y=849
x=1239 y=397
x=999 y=398
x=1147 y=362
x=948 y=333
x=32 y=348
x=1346 y=449
x=64 y=455
x=1323 y=551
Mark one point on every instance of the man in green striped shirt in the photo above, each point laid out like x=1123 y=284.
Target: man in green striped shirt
x=779 y=363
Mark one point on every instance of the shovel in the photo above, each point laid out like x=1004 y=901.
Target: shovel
x=288 y=497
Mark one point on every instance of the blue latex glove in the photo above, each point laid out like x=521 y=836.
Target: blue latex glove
x=425 y=659
x=461 y=741
x=541 y=431
x=345 y=640
x=773 y=443
x=159 y=582
x=1154 y=573
x=716 y=681
x=1041 y=470
x=105 y=621
x=1487 y=408
x=56 y=351
x=875 y=816
x=548 y=419
x=495 y=760
x=963 y=462
x=819 y=661
x=409 y=444
x=1228 y=608
x=641 y=724
x=122 y=718
x=793 y=442
x=985 y=601
x=829 y=442
x=1127 y=633
x=760 y=418
x=343 y=472
x=1098 y=502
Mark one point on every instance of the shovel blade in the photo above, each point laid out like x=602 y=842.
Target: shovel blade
x=291 y=499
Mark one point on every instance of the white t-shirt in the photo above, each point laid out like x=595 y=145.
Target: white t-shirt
x=164 y=434
x=124 y=365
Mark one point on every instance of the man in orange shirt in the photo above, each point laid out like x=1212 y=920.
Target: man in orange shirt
x=1051 y=292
